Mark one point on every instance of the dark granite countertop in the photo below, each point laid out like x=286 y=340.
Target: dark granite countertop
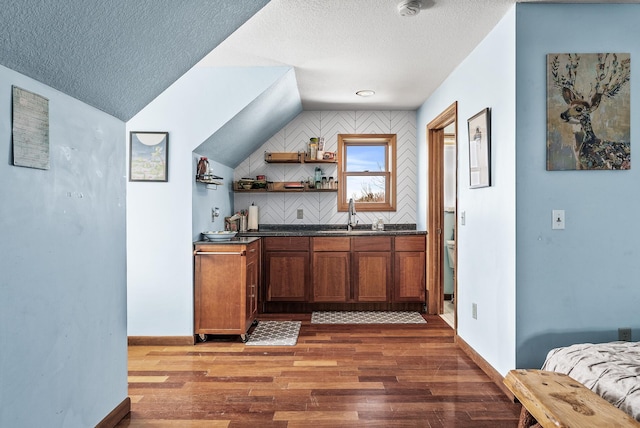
x=331 y=230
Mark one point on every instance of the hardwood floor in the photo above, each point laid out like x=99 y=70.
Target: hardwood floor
x=411 y=375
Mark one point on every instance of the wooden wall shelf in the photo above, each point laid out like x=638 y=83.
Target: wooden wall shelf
x=294 y=157
x=281 y=186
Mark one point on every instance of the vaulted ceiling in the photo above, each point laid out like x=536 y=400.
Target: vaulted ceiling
x=119 y=55
x=115 y=55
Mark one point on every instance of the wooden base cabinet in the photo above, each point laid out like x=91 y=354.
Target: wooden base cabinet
x=286 y=269
x=226 y=286
x=371 y=259
x=367 y=272
x=354 y=270
x=331 y=277
x=409 y=269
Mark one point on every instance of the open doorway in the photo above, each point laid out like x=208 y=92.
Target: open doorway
x=441 y=213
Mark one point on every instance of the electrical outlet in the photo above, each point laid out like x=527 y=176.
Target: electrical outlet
x=624 y=334
x=300 y=214
x=474 y=311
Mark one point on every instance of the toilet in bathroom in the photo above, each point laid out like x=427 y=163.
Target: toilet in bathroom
x=451 y=253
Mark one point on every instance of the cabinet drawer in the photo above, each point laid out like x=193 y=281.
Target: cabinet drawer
x=286 y=243
x=372 y=243
x=410 y=243
x=331 y=243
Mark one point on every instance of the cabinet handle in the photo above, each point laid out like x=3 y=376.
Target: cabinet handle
x=253 y=250
x=223 y=253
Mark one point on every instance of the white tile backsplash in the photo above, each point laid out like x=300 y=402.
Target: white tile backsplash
x=321 y=208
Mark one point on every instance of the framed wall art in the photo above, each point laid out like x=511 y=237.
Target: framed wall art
x=588 y=111
x=148 y=156
x=480 y=149
x=30 y=129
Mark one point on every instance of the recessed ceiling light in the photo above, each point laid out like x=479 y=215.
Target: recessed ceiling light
x=366 y=93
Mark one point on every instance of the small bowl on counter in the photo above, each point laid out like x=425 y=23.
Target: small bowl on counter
x=219 y=235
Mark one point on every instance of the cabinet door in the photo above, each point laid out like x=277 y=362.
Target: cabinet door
x=331 y=277
x=286 y=276
x=372 y=276
x=409 y=276
x=253 y=272
x=219 y=293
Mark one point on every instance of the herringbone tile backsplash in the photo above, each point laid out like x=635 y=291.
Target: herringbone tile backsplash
x=322 y=208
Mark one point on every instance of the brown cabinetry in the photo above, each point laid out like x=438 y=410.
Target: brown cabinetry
x=409 y=269
x=355 y=270
x=286 y=269
x=366 y=272
x=371 y=259
x=226 y=286
x=331 y=269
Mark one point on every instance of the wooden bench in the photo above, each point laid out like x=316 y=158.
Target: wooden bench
x=553 y=399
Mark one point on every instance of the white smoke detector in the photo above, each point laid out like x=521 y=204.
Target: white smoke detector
x=409 y=7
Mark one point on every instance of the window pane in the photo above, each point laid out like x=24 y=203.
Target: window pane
x=366 y=188
x=366 y=158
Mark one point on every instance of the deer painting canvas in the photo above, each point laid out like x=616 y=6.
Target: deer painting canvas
x=588 y=111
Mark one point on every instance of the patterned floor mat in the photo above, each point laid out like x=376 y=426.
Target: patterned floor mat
x=275 y=333
x=366 y=317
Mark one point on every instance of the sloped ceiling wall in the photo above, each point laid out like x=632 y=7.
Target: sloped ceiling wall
x=115 y=55
x=255 y=124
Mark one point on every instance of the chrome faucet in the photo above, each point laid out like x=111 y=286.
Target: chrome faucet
x=351 y=222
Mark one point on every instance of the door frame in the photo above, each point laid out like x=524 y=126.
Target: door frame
x=435 y=209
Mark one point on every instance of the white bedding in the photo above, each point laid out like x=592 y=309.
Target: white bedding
x=611 y=370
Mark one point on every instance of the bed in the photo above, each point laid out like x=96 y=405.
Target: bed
x=611 y=370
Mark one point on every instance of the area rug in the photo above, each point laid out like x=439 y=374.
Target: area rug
x=275 y=333
x=366 y=317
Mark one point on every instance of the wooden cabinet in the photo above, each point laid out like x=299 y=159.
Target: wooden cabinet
x=409 y=269
x=354 y=270
x=331 y=269
x=366 y=272
x=226 y=287
x=371 y=259
x=286 y=269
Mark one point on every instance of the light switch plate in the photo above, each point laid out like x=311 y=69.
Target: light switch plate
x=557 y=219
x=300 y=213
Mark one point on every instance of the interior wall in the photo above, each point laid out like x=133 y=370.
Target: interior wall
x=160 y=216
x=63 y=341
x=322 y=208
x=486 y=241
x=578 y=284
x=208 y=197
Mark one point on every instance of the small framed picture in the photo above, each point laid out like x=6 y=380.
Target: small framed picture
x=148 y=156
x=480 y=149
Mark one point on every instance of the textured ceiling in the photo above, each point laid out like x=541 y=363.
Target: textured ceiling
x=119 y=55
x=338 y=47
x=116 y=55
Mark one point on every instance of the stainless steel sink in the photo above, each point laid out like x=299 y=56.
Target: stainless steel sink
x=335 y=231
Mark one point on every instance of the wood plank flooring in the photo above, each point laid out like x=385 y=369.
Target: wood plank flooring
x=411 y=375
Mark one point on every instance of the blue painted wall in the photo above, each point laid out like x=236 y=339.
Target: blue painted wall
x=205 y=198
x=163 y=219
x=577 y=284
x=63 y=339
x=486 y=243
